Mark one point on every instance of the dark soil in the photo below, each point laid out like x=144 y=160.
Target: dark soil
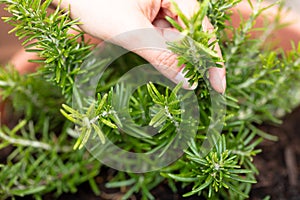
x=279 y=163
x=279 y=166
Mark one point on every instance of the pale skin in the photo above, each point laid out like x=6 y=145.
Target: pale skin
x=105 y=20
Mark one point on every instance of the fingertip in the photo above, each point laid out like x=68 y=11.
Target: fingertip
x=224 y=83
x=217 y=79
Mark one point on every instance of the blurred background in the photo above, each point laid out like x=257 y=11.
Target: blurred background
x=9 y=44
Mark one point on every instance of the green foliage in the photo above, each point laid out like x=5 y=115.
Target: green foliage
x=218 y=12
x=30 y=93
x=217 y=171
x=142 y=183
x=195 y=51
x=41 y=158
x=48 y=34
x=168 y=106
x=87 y=121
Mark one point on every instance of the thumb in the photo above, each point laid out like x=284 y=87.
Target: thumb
x=150 y=43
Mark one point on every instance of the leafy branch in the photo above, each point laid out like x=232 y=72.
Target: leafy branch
x=217 y=170
x=49 y=35
x=88 y=121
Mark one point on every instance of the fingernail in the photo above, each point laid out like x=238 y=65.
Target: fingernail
x=218 y=82
x=180 y=77
x=224 y=84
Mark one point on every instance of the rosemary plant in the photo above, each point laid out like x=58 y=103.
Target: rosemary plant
x=44 y=152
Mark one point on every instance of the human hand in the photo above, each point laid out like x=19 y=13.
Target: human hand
x=107 y=19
